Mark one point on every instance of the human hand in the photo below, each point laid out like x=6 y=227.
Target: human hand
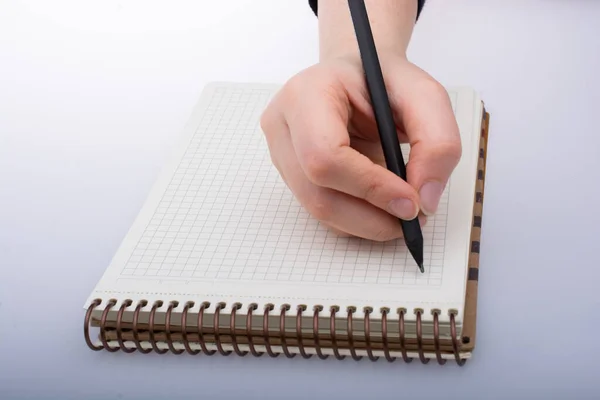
x=323 y=140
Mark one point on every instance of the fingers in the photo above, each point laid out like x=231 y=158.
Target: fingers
x=426 y=113
x=345 y=214
x=318 y=125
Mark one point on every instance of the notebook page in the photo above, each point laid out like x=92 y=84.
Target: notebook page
x=221 y=225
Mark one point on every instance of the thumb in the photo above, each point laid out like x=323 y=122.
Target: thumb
x=430 y=125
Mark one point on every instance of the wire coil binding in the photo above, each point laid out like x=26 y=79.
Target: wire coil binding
x=134 y=332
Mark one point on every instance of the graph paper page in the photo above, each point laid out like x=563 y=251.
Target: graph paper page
x=220 y=223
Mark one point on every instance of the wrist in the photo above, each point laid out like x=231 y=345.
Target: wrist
x=392 y=23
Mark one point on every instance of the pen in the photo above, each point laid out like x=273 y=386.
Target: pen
x=413 y=236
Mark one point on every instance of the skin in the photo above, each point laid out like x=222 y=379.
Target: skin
x=323 y=138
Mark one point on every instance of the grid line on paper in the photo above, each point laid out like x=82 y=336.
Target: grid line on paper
x=227 y=214
x=230 y=250
x=150 y=235
x=174 y=271
x=225 y=191
x=181 y=236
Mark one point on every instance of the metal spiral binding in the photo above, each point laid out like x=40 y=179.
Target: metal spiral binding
x=268 y=308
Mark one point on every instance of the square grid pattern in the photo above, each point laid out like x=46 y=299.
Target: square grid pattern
x=226 y=214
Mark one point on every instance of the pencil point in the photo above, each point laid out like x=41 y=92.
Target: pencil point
x=416 y=250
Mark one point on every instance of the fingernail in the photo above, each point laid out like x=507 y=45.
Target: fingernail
x=430 y=197
x=403 y=208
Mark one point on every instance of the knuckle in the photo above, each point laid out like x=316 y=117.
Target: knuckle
x=318 y=166
x=271 y=119
x=294 y=86
x=433 y=88
x=320 y=206
x=266 y=120
x=371 y=187
x=451 y=150
x=269 y=128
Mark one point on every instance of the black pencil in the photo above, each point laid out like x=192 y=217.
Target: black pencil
x=383 y=116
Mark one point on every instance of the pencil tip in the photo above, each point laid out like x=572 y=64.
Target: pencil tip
x=421 y=267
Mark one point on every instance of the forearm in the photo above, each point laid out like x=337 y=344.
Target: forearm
x=392 y=23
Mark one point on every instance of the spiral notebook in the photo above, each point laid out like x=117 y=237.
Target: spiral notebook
x=223 y=260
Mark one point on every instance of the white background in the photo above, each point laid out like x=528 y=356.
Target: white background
x=94 y=93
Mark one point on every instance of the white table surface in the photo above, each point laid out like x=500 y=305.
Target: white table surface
x=93 y=94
